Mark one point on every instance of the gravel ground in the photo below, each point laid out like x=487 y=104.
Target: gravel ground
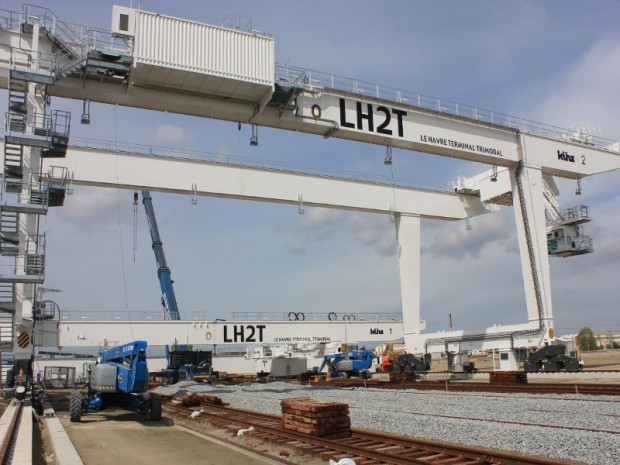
x=421 y=414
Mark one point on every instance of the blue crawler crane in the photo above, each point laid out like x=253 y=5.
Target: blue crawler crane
x=120 y=378
x=345 y=364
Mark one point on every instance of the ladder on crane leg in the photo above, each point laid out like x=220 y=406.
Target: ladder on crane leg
x=530 y=245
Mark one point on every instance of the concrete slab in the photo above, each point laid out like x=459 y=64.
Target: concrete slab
x=64 y=449
x=22 y=453
x=7 y=419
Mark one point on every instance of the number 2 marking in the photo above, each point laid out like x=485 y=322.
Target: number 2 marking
x=388 y=117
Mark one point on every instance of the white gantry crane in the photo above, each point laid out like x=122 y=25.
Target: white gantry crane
x=157 y=62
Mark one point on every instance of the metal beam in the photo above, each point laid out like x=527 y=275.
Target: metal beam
x=99 y=333
x=423 y=124
x=106 y=168
x=423 y=131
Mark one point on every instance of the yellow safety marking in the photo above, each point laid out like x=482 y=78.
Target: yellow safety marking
x=23 y=340
x=551 y=333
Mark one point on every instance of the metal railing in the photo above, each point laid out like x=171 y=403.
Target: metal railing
x=10 y=20
x=572 y=215
x=25 y=264
x=316 y=80
x=73 y=34
x=579 y=212
x=220 y=158
x=45 y=310
x=94 y=315
x=32 y=60
x=578 y=244
x=74 y=40
x=24 y=193
x=58 y=177
x=69 y=58
x=35 y=245
x=44 y=17
x=57 y=122
x=69 y=32
x=315 y=316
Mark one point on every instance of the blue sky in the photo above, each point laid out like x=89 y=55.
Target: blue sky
x=557 y=62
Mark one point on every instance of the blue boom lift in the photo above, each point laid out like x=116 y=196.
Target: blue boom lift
x=181 y=358
x=120 y=378
x=345 y=364
x=168 y=299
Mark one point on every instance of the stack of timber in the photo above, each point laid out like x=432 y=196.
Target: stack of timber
x=322 y=419
x=508 y=377
x=194 y=400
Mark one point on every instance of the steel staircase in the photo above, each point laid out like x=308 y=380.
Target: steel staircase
x=552 y=207
x=25 y=263
x=7 y=297
x=79 y=47
x=6 y=330
x=9 y=236
x=18 y=91
x=14 y=153
x=13 y=158
x=65 y=35
x=46 y=132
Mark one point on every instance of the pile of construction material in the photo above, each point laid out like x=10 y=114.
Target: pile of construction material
x=323 y=419
x=509 y=419
x=194 y=400
x=508 y=377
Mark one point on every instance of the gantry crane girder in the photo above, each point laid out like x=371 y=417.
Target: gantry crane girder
x=167 y=77
x=334 y=113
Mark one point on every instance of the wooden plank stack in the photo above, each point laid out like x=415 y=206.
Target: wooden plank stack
x=194 y=400
x=322 y=419
x=508 y=377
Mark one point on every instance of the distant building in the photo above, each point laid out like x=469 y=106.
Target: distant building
x=608 y=339
x=604 y=339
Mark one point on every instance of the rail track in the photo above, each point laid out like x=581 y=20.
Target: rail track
x=538 y=388
x=364 y=447
x=9 y=431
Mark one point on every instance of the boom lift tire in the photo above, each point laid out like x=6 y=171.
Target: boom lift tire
x=75 y=406
x=156 y=407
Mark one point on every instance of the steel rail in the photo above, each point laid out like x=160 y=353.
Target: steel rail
x=10 y=434
x=384 y=448
x=538 y=388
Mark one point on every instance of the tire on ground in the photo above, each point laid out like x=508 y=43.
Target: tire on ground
x=156 y=407
x=75 y=406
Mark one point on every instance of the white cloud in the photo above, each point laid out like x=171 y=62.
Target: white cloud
x=167 y=134
x=89 y=209
x=320 y=225
x=296 y=245
x=454 y=241
x=586 y=91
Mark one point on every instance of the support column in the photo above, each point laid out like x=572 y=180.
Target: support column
x=527 y=191
x=408 y=242
x=28 y=223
